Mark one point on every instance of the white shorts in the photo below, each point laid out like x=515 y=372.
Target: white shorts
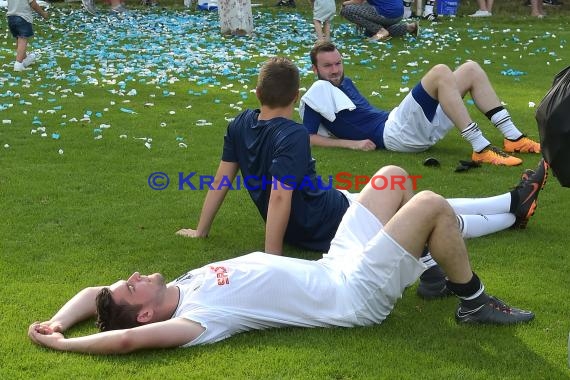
x=324 y=10
x=409 y=130
x=376 y=268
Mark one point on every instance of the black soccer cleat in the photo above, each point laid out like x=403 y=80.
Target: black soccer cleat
x=433 y=283
x=430 y=290
x=433 y=290
x=494 y=312
x=528 y=189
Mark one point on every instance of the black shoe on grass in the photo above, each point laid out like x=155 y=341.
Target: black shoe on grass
x=528 y=189
x=494 y=312
x=433 y=290
x=433 y=284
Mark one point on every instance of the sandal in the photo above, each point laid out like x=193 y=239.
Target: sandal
x=380 y=37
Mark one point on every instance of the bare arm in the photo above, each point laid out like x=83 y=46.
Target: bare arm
x=323 y=141
x=79 y=308
x=39 y=10
x=278 y=213
x=227 y=172
x=171 y=333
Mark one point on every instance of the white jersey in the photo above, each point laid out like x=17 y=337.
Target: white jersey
x=260 y=291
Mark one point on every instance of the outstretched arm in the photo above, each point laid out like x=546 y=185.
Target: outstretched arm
x=78 y=308
x=226 y=172
x=171 y=333
x=39 y=10
x=365 y=145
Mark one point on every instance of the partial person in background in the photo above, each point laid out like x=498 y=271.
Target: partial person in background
x=536 y=9
x=286 y=3
x=117 y=6
x=485 y=8
x=150 y=3
x=323 y=12
x=428 y=10
x=407 y=9
x=380 y=19
x=20 y=16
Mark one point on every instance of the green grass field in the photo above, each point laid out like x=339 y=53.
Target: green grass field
x=77 y=210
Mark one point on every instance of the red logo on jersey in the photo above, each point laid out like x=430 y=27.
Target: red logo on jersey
x=221 y=275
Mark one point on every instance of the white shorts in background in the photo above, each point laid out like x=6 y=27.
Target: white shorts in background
x=408 y=129
x=376 y=268
x=324 y=10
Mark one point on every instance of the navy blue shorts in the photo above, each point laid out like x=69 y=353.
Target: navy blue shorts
x=19 y=27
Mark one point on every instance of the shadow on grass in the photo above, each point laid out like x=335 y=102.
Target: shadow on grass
x=419 y=340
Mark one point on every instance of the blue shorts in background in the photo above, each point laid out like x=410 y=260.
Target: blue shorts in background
x=19 y=27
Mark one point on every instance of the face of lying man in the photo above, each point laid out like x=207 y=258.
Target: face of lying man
x=329 y=67
x=139 y=289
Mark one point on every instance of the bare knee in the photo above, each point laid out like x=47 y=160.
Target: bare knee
x=471 y=69
x=439 y=76
x=388 y=189
x=392 y=170
x=441 y=71
x=429 y=197
x=432 y=203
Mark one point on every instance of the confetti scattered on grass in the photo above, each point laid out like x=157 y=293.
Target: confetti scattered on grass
x=159 y=48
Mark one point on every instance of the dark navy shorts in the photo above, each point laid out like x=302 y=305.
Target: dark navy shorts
x=19 y=27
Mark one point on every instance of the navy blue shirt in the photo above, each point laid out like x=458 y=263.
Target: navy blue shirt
x=364 y=122
x=279 y=148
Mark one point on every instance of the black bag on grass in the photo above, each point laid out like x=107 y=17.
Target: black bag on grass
x=553 y=118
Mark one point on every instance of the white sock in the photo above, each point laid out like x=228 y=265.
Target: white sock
x=428 y=8
x=503 y=122
x=498 y=204
x=475 y=137
x=428 y=261
x=473 y=226
x=407 y=8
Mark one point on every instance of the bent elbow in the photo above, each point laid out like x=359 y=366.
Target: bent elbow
x=127 y=342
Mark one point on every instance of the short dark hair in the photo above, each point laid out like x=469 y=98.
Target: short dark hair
x=278 y=82
x=320 y=47
x=114 y=316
